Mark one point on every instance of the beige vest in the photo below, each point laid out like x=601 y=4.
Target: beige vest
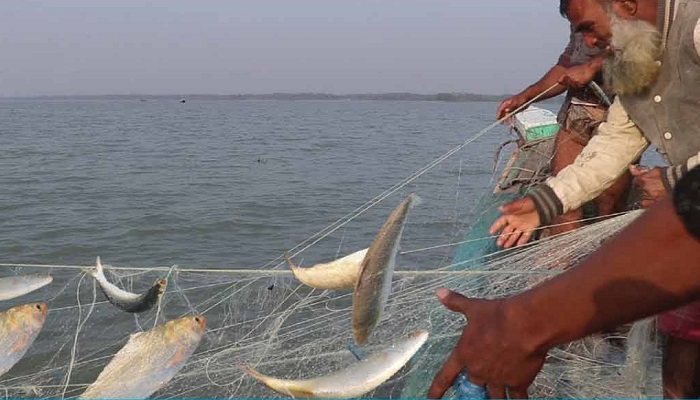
x=669 y=111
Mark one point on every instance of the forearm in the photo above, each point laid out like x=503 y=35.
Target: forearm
x=548 y=80
x=628 y=279
x=604 y=159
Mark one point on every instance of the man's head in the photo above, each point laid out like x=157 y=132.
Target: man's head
x=627 y=28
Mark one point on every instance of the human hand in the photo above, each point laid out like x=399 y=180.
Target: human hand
x=510 y=105
x=650 y=181
x=517 y=224
x=493 y=349
x=578 y=76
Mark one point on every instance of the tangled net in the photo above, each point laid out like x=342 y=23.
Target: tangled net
x=269 y=321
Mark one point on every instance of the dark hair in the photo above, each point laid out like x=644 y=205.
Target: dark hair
x=564 y=8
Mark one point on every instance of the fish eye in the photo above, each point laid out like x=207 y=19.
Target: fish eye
x=38 y=307
x=197 y=319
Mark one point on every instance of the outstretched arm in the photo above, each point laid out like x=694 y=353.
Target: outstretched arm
x=650 y=267
x=548 y=80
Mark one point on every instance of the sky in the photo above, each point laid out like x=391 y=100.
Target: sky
x=92 y=47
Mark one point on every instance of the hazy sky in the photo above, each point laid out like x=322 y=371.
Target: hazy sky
x=263 y=46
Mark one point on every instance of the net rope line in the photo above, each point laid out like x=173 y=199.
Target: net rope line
x=314 y=323
x=325 y=232
x=302 y=327
x=265 y=333
x=264 y=318
x=273 y=272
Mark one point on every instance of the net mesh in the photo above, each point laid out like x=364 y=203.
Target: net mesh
x=265 y=319
x=269 y=321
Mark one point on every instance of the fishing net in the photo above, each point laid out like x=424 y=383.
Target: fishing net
x=269 y=321
x=266 y=319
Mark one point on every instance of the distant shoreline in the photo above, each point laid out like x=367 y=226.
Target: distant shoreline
x=441 y=97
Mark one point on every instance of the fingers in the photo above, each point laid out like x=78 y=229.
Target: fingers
x=647 y=203
x=453 y=300
x=524 y=238
x=500 y=223
x=517 y=393
x=445 y=377
x=512 y=238
x=505 y=235
x=497 y=392
x=638 y=170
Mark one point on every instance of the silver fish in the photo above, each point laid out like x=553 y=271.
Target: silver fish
x=353 y=381
x=335 y=275
x=16 y=286
x=149 y=360
x=127 y=301
x=374 y=283
x=19 y=326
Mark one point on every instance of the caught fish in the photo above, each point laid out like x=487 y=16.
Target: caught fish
x=19 y=326
x=335 y=275
x=149 y=360
x=374 y=283
x=353 y=381
x=16 y=286
x=127 y=301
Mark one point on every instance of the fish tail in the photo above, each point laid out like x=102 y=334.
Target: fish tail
x=289 y=261
x=415 y=200
x=96 y=272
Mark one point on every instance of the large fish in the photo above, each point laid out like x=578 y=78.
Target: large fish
x=19 y=326
x=127 y=301
x=149 y=360
x=353 y=381
x=374 y=283
x=335 y=275
x=15 y=286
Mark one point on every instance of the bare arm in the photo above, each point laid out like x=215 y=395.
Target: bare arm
x=651 y=266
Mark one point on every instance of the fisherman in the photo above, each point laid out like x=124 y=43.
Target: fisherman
x=654 y=68
x=505 y=343
x=583 y=110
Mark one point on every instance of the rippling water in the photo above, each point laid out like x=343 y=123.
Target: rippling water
x=224 y=184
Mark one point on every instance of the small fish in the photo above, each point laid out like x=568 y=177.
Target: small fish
x=149 y=360
x=16 y=286
x=374 y=283
x=127 y=301
x=354 y=381
x=19 y=326
x=335 y=275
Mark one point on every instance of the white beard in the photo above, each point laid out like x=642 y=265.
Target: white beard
x=632 y=66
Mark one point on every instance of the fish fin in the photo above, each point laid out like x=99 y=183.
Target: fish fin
x=356 y=351
x=19 y=344
x=177 y=358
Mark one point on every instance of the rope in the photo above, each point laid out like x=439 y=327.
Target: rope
x=322 y=234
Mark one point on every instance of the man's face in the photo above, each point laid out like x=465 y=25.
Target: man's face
x=591 y=19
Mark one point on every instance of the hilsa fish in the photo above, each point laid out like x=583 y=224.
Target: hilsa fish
x=16 y=286
x=127 y=301
x=19 y=326
x=376 y=272
x=335 y=275
x=149 y=360
x=356 y=380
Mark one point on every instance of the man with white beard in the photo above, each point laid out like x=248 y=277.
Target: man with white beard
x=655 y=71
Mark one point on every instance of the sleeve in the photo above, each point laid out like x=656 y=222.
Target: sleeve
x=686 y=200
x=674 y=173
x=607 y=156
